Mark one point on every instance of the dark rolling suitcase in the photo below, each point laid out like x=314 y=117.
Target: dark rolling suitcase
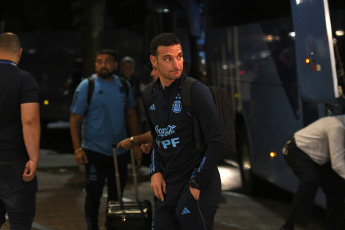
x=128 y=215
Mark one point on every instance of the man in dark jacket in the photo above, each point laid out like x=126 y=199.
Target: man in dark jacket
x=184 y=180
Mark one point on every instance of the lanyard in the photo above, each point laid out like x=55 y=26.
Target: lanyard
x=7 y=62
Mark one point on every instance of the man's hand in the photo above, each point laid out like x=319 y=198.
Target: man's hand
x=124 y=144
x=80 y=157
x=158 y=185
x=30 y=170
x=195 y=192
x=146 y=148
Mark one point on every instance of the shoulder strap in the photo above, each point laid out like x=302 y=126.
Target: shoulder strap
x=187 y=101
x=186 y=98
x=147 y=93
x=90 y=89
x=124 y=85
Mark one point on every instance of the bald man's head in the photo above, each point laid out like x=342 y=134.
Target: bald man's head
x=9 y=42
x=10 y=47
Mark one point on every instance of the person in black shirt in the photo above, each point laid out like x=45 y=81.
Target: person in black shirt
x=184 y=180
x=19 y=137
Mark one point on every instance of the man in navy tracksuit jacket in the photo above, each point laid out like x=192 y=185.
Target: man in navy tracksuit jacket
x=185 y=182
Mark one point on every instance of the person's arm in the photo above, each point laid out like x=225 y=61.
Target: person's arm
x=212 y=132
x=138 y=140
x=31 y=133
x=75 y=128
x=158 y=184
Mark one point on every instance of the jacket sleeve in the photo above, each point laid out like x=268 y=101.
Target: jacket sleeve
x=155 y=158
x=155 y=161
x=212 y=133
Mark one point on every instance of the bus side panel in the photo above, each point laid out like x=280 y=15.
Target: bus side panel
x=249 y=67
x=316 y=69
x=273 y=112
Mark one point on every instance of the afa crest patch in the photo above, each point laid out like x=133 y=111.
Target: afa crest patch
x=177 y=105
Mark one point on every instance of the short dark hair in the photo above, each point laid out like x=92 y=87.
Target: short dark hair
x=164 y=39
x=107 y=51
x=9 y=42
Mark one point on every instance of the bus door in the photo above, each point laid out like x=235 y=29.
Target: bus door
x=316 y=67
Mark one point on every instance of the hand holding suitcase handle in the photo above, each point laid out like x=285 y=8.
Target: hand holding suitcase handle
x=117 y=175
x=135 y=142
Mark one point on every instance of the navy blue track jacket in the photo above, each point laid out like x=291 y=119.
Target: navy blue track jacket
x=174 y=153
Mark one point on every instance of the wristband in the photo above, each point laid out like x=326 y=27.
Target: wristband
x=78 y=149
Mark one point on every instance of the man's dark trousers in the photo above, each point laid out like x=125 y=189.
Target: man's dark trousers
x=180 y=211
x=311 y=176
x=17 y=197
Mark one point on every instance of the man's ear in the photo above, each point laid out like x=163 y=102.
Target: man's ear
x=153 y=61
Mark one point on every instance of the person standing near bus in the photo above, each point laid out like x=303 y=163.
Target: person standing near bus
x=184 y=180
x=316 y=155
x=102 y=123
x=19 y=137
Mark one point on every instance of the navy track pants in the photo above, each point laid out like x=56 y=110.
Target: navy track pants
x=181 y=211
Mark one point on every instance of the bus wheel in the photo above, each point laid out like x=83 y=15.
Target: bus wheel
x=245 y=163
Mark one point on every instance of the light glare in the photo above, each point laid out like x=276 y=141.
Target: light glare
x=340 y=33
x=273 y=154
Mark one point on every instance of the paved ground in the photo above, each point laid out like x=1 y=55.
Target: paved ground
x=60 y=200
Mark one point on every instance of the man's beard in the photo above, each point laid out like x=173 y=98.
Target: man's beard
x=104 y=74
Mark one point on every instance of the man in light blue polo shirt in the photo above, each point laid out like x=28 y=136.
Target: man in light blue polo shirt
x=97 y=125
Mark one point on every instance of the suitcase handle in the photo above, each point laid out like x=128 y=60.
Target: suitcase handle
x=117 y=175
x=134 y=173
